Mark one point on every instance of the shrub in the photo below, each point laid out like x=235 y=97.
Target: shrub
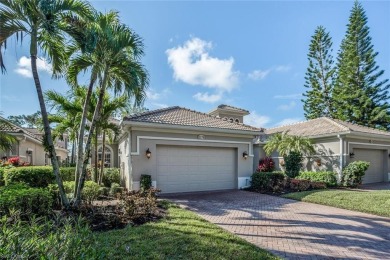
x=34 y=176
x=2 y=176
x=105 y=191
x=138 y=205
x=354 y=172
x=90 y=192
x=111 y=175
x=293 y=162
x=25 y=199
x=14 y=161
x=299 y=185
x=327 y=177
x=318 y=185
x=67 y=173
x=266 y=165
x=47 y=239
x=268 y=181
x=115 y=189
x=146 y=182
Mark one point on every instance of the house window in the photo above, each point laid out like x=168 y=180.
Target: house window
x=231 y=120
x=237 y=120
x=107 y=156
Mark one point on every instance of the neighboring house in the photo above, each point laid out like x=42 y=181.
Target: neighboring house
x=185 y=150
x=339 y=143
x=29 y=146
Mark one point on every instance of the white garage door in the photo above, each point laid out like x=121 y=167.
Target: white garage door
x=186 y=169
x=375 y=172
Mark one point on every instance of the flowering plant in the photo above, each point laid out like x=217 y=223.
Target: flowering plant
x=266 y=165
x=14 y=161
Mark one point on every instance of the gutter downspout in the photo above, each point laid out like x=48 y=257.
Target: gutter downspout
x=341 y=156
x=130 y=167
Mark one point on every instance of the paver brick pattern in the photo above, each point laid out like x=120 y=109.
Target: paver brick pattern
x=292 y=229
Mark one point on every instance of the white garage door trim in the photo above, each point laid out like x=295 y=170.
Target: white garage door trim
x=195 y=168
x=190 y=140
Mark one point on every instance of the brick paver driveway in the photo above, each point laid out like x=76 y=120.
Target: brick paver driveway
x=292 y=229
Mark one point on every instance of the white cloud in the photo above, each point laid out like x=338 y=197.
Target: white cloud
x=192 y=64
x=206 y=97
x=152 y=94
x=24 y=66
x=259 y=74
x=288 y=121
x=288 y=106
x=282 y=68
x=291 y=96
x=256 y=120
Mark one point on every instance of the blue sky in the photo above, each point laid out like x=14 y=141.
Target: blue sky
x=249 y=54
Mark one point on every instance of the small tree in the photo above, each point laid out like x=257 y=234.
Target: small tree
x=293 y=163
x=266 y=165
x=354 y=172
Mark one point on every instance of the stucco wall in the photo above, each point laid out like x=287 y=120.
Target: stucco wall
x=38 y=153
x=141 y=140
x=326 y=158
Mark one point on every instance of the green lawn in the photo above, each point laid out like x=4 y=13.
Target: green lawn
x=374 y=202
x=182 y=235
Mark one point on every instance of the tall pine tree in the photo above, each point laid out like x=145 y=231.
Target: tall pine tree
x=360 y=96
x=320 y=76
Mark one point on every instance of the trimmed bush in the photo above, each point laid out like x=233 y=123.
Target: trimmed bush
x=266 y=165
x=115 y=189
x=329 y=178
x=2 y=182
x=300 y=185
x=293 y=163
x=268 y=181
x=25 y=199
x=67 y=173
x=90 y=192
x=110 y=176
x=354 y=172
x=146 y=182
x=33 y=176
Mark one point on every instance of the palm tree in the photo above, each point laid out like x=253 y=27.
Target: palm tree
x=46 y=22
x=6 y=140
x=285 y=143
x=115 y=64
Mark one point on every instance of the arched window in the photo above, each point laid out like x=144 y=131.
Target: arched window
x=107 y=156
x=237 y=120
x=231 y=120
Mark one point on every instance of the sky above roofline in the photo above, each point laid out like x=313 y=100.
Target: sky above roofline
x=247 y=54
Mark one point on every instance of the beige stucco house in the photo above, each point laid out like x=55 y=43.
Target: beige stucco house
x=337 y=144
x=185 y=150
x=29 y=146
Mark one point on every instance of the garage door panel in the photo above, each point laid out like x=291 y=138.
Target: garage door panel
x=199 y=169
x=375 y=172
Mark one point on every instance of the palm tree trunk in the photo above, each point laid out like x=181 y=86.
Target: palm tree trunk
x=80 y=146
x=49 y=145
x=103 y=158
x=73 y=151
x=95 y=119
x=95 y=173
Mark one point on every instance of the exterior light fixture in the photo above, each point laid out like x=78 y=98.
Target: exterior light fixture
x=245 y=155
x=148 y=153
x=351 y=155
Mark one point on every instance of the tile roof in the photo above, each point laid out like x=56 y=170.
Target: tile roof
x=324 y=126
x=12 y=128
x=223 y=106
x=185 y=117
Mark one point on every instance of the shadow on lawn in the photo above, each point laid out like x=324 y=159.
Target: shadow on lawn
x=262 y=219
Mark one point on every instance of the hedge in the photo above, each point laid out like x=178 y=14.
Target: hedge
x=33 y=176
x=90 y=192
x=327 y=177
x=68 y=173
x=268 y=181
x=110 y=176
x=2 y=183
x=26 y=200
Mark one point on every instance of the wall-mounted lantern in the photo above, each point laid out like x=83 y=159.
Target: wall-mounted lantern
x=245 y=155
x=148 y=153
x=351 y=155
x=29 y=151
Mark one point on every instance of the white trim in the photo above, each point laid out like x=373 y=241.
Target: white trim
x=154 y=184
x=250 y=148
x=349 y=143
x=106 y=146
x=244 y=182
